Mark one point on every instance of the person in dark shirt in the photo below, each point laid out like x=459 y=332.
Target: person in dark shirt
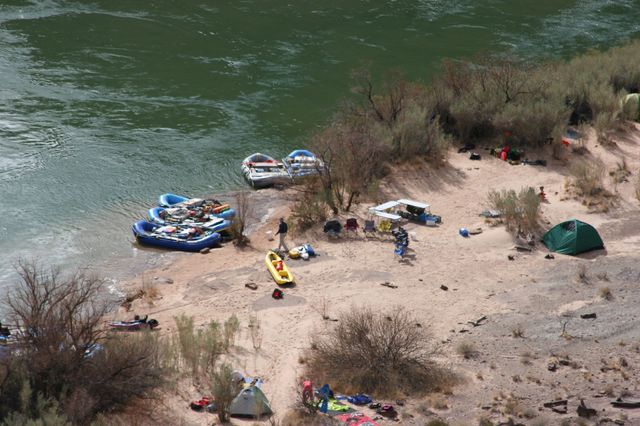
x=282 y=231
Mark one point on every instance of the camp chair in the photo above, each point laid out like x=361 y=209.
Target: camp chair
x=332 y=228
x=351 y=225
x=369 y=227
x=384 y=226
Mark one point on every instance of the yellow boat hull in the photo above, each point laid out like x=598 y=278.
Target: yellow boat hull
x=281 y=275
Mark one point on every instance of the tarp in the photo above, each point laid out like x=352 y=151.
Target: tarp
x=250 y=402
x=385 y=215
x=572 y=237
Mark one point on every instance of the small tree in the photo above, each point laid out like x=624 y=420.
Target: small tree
x=243 y=205
x=354 y=150
x=520 y=210
x=65 y=358
x=387 y=106
x=224 y=390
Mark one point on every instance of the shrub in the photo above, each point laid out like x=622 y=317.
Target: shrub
x=66 y=360
x=231 y=328
x=310 y=209
x=380 y=353
x=354 y=149
x=224 y=390
x=582 y=275
x=467 y=350
x=255 y=331
x=419 y=133
x=298 y=417
x=605 y=293
x=533 y=122
x=588 y=176
x=198 y=350
x=239 y=225
x=520 y=211
x=517 y=331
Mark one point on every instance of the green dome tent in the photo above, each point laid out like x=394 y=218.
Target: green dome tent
x=572 y=237
x=250 y=402
x=631 y=106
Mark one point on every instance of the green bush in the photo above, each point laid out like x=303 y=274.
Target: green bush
x=199 y=349
x=588 y=176
x=418 y=134
x=520 y=210
x=224 y=390
x=311 y=209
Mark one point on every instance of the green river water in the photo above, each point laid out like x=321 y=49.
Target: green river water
x=104 y=105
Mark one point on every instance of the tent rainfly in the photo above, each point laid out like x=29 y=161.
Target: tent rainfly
x=250 y=402
x=572 y=237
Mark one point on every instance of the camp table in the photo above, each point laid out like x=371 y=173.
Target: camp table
x=387 y=219
x=386 y=206
x=415 y=204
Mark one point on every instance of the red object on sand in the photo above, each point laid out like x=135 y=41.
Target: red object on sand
x=307 y=392
x=201 y=404
x=355 y=419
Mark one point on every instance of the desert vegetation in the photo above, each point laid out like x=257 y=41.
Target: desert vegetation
x=65 y=368
x=381 y=353
x=68 y=370
x=239 y=225
x=484 y=100
x=520 y=210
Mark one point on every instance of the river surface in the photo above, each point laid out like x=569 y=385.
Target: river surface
x=104 y=105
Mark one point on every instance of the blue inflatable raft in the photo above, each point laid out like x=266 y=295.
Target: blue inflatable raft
x=152 y=234
x=212 y=206
x=211 y=222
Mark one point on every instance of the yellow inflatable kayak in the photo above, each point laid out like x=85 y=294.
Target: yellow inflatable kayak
x=278 y=269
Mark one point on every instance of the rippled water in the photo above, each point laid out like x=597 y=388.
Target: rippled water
x=104 y=105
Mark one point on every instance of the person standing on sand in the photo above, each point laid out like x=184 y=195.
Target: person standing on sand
x=282 y=231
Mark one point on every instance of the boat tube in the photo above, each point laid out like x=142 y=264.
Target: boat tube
x=173 y=237
x=211 y=207
x=262 y=171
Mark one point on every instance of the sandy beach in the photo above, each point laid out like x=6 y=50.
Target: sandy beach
x=509 y=376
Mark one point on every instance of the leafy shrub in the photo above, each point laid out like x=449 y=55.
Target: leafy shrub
x=311 y=209
x=520 y=211
x=197 y=350
x=224 y=390
x=381 y=353
x=588 y=176
x=419 y=133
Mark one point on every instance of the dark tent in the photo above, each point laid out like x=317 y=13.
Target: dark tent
x=572 y=237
